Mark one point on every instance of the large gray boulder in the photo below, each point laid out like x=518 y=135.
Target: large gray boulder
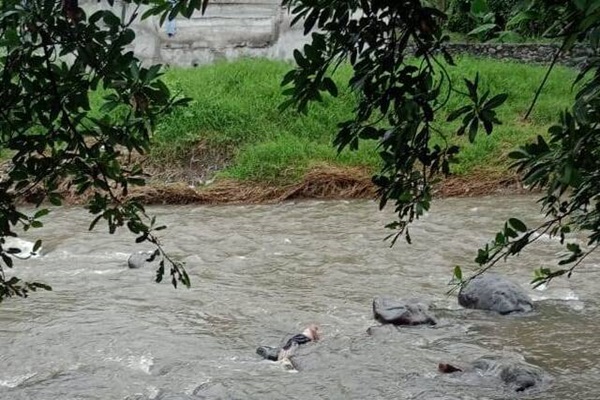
x=494 y=293
x=140 y=259
x=402 y=312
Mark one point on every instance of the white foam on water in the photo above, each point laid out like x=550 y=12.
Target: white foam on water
x=66 y=254
x=106 y=271
x=555 y=294
x=142 y=363
x=153 y=392
x=25 y=247
x=16 y=380
x=544 y=237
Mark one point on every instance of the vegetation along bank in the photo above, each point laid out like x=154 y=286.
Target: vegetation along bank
x=233 y=144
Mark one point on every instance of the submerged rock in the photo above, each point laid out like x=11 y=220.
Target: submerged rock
x=516 y=376
x=295 y=363
x=140 y=259
x=494 y=293
x=382 y=330
x=268 y=352
x=401 y=312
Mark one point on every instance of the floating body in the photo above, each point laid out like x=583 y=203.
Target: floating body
x=310 y=334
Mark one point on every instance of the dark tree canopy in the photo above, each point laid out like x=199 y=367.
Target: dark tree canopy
x=52 y=56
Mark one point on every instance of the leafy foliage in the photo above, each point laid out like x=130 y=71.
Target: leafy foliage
x=399 y=96
x=459 y=18
x=399 y=92
x=52 y=56
x=566 y=166
x=505 y=20
x=536 y=18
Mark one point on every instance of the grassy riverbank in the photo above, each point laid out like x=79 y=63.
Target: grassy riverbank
x=233 y=130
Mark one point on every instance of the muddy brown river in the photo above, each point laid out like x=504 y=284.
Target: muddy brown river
x=260 y=273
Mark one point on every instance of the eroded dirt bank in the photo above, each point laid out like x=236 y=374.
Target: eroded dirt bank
x=319 y=183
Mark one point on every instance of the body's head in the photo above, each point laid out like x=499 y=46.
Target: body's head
x=312 y=332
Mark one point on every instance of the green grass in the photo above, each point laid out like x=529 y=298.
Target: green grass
x=235 y=107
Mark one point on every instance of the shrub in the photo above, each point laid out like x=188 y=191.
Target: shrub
x=459 y=18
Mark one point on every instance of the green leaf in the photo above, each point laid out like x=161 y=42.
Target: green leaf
x=41 y=213
x=496 y=101
x=330 y=86
x=458 y=273
x=457 y=113
x=482 y=29
x=517 y=224
x=479 y=6
x=300 y=59
x=37 y=245
x=473 y=129
x=95 y=221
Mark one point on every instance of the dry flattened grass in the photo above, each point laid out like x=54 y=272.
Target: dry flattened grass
x=322 y=182
x=479 y=183
x=318 y=183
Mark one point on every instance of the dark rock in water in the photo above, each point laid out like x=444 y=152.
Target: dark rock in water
x=401 y=312
x=381 y=330
x=268 y=352
x=140 y=259
x=494 y=293
x=517 y=376
x=218 y=390
x=448 y=368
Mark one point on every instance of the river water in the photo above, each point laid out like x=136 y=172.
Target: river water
x=260 y=273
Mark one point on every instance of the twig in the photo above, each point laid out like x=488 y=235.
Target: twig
x=539 y=89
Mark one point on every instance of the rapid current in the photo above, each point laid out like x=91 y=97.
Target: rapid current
x=260 y=273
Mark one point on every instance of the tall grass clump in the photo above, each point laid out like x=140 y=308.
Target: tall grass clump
x=234 y=108
x=519 y=81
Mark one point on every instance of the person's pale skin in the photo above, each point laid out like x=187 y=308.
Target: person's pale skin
x=312 y=332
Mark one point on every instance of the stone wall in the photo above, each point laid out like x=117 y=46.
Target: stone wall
x=527 y=53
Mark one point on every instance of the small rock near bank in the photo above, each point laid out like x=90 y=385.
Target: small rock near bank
x=494 y=293
x=401 y=312
x=140 y=259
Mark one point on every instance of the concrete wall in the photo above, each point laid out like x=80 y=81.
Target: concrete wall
x=261 y=28
x=229 y=29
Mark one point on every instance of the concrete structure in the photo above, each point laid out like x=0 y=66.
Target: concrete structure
x=229 y=29
x=261 y=28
